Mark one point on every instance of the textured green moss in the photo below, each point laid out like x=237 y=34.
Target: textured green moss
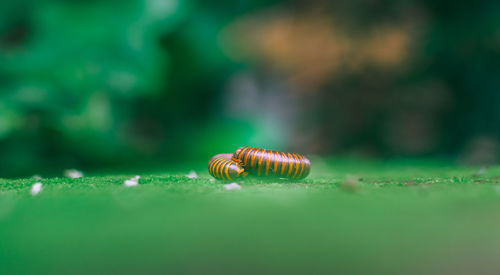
x=348 y=216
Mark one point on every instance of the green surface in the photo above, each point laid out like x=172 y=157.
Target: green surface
x=348 y=216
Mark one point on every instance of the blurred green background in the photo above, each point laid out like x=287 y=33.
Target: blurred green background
x=96 y=84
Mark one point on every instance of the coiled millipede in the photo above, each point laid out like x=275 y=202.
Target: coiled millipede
x=260 y=163
x=222 y=167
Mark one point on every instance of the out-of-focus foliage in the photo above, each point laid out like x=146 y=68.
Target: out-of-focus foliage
x=98 y=83
x=86 y=82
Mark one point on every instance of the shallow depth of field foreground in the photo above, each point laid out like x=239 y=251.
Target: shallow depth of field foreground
x=348 y=216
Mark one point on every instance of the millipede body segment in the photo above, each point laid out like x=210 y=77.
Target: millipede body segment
x=267 y=163
x=222 y=167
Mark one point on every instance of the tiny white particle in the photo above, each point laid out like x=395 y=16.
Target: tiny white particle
x=132 y=182
x=212 y=180
x=36 y=177
x=36 y=188
x=73 y=173
x=232 y=186
x=192 y=175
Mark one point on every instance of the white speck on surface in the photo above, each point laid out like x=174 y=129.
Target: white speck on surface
x=232 y=186
x=212 y=180
x=132 y=182
x=36 y=177
x=73 y=173
x=192 y=175
x=36 y=188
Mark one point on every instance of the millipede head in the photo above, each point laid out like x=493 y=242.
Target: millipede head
x=237 y=161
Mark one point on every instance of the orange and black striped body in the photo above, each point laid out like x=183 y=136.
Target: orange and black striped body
x=223 y=168
x=267 y=163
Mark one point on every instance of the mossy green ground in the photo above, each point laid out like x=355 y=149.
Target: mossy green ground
x=348 y=216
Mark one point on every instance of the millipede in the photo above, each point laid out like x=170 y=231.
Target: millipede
x=222 y=167
x=267 y=163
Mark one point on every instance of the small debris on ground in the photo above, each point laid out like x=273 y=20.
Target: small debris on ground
x=212 y=180
x=350 y=184
x=232 y=186
x=132 y=182
x=73 y=173
x=36 y=188
x=192 y=175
